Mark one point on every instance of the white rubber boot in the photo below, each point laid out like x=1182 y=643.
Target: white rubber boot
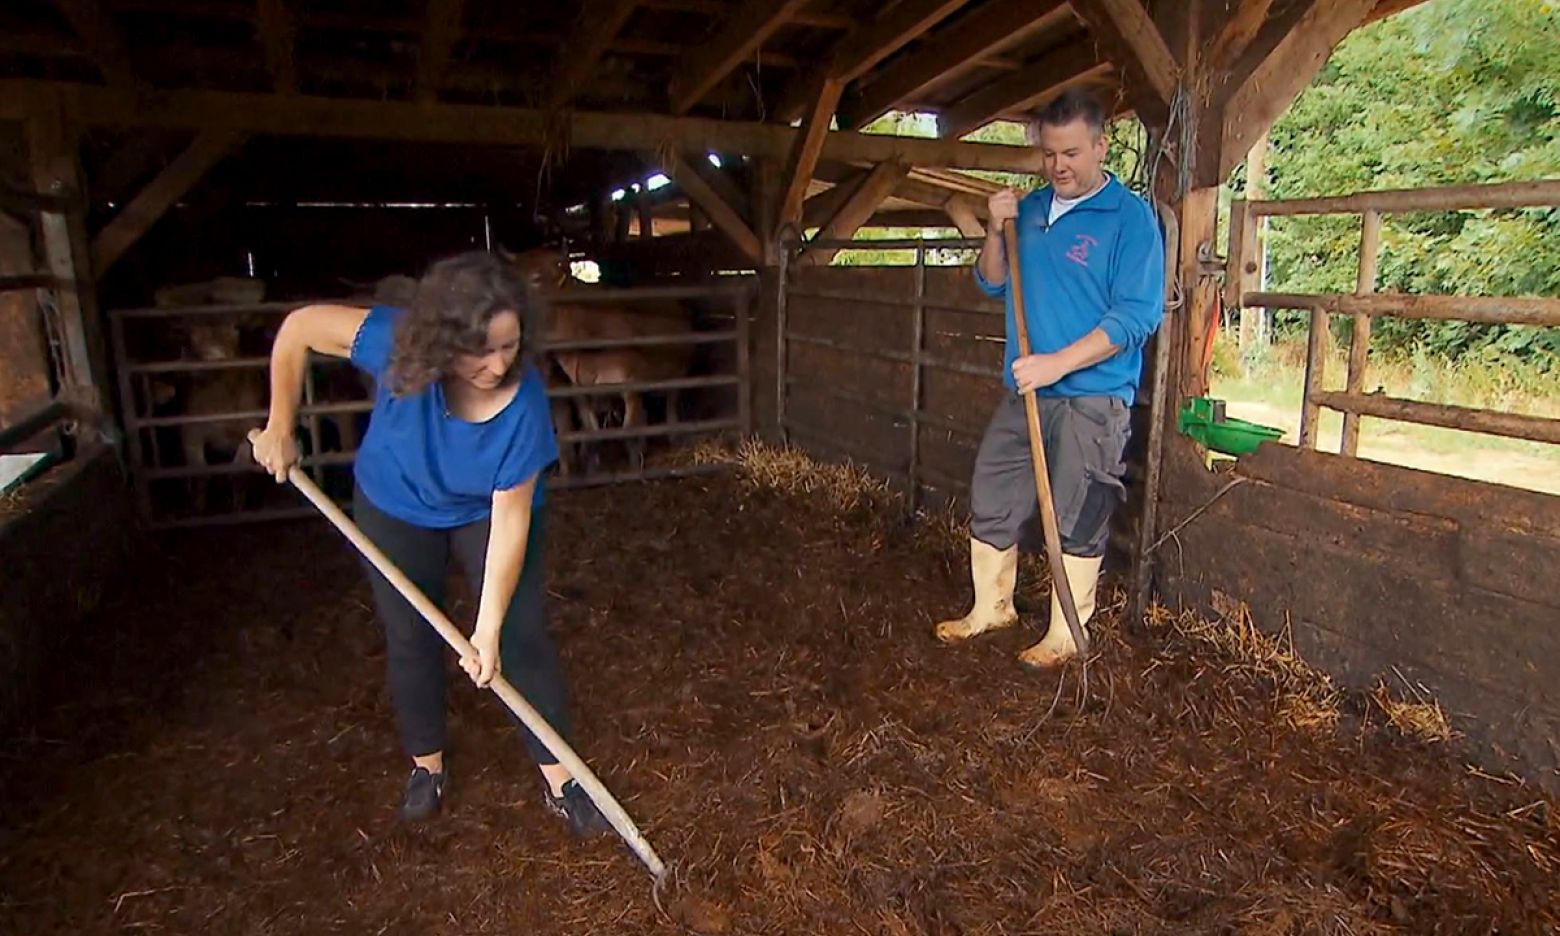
x=994 y=572
x=1057 y=647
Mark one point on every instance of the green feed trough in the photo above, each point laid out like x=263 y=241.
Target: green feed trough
x=1203 y=419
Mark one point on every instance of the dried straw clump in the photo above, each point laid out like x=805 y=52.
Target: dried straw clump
x=1422 y=720
x=842 y=486
x=1307 y=698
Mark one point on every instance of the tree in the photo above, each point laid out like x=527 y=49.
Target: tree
x=1451 y=92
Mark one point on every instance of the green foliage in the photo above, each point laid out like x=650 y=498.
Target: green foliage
x=1451 y=92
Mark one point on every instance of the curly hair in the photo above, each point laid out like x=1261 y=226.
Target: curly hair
x=449 y=315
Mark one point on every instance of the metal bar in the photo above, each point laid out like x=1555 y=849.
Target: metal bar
x=619 y=477
x=1359 y=338
x=782 y=344
x=33 y=423
x=194 y=419
x=23 y=281
x=1540 y=194
x=642 y=341
x=659 y=429
x=244 y=516
x=640 y=386
x=901 y=243
x=937 y=363
x=736 y=286
x=1468 y=419
x=1315 y=371
x=227 y=468
x=187 y=311
x=132 y=416
x=1489 y=310
x=192 y=367
x=315 y=471
x=879 y=299
x=918 y=332
x=744 y=308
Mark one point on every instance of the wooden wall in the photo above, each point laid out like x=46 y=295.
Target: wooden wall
x=1372 y=567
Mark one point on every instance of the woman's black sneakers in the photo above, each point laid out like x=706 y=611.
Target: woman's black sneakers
x=575 y=807
x=424 y=792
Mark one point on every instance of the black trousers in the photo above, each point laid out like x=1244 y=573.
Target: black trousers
x=415 y=653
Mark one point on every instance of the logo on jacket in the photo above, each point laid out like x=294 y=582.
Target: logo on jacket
x=1079 y=252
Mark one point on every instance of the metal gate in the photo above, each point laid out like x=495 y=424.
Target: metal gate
x=153 y=378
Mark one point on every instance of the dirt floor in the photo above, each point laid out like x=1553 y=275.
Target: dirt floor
x=755 y=677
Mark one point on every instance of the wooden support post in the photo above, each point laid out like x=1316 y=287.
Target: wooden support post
x=1129 y=38
x=56 y=170
x=646 y=206
x=764 y=199
x=1315 y=373
x=805 y=150
x=917 y=348
x=1199 y=217
x=1359 y=341
x=153 y=201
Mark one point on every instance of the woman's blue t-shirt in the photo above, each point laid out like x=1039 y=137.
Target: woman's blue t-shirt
x=421 y=464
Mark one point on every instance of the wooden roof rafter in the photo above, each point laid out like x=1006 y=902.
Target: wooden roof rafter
x=1074 y=66
x=864 y=47
x=102 y=38
x=970 y=40
x=596 y=24
x=747 y=28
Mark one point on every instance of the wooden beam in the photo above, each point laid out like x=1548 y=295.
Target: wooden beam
x=721 y=215
x=54 y=152
x=153 y=201
x=952 y=51
x=277 y=28
x=315 y=116
x=1268 y=90
x=964 y=218
x=805 y=150
x=441 y=27
x=748 y=27
x=596 y=24
x=102 y=37
x=1024 y=90
x=817 y=210
x=1239 y=29
x=1386 y=8
x=864 y=47
x=856 y=211
x=1124 y=26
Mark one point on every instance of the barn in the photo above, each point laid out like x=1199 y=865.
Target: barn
x=1320 y=701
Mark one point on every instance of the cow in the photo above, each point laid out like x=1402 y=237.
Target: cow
x=228 y=390
x=544 y=269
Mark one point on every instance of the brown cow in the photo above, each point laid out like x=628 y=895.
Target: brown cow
x=566 y=321
x=230 y=390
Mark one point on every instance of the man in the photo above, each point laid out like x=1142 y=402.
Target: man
x=1092 y=265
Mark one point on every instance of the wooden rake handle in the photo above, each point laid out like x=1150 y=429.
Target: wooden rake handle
x=530 y=717
x=1053 y=535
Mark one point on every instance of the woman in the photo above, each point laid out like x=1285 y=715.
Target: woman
x=457 y=442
